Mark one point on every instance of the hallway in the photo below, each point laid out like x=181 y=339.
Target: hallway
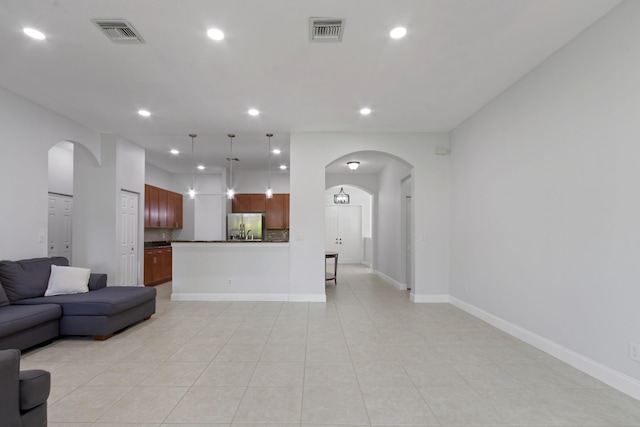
x=368 y=356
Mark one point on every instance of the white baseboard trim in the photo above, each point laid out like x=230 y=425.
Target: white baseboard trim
x=607 y=375
x=250 y=297
x=429 y=298
x=395 y=283
x=366 y=264
x=307 y=298
x=229 y=297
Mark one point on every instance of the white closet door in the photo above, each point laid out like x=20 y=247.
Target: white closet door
x=127 y=276
x=343 y=232
x=59 y=225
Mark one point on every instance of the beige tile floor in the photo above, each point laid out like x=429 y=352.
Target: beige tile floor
x=367 y=357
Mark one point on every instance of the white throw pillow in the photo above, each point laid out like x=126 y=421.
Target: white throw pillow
x=68 y=280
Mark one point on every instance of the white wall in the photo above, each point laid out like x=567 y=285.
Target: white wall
x=389 y=258
x=157 y=177
x=204 y=218
x=546 y=206
x=97 y=208
x=27 y=132
x=61 y=168
x=256 y=182
x=367 y=182
x=94 y=222
x=311 y=152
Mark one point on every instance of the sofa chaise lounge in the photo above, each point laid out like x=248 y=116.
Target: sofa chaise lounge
x=23 y=394
x=27 y=317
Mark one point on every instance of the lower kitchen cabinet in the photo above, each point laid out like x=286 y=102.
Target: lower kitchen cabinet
x=157 y=266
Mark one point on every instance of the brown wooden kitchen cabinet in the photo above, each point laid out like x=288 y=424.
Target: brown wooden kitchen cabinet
x=278 y=212
x=249 y=202
x=157 y=266
x=162 y=208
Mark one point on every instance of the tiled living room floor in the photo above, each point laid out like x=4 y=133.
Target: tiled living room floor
x=367 y=357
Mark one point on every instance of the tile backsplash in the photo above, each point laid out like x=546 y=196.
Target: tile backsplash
x=278 y=235
x=158 y=235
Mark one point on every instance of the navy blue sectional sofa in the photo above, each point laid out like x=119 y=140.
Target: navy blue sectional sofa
x=28 y=318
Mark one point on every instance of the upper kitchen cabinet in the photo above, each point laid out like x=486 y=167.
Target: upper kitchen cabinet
x=162 y=208
x=278 y=211
x=249 y=202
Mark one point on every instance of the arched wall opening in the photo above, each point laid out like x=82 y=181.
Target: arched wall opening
x=312 y=152
x=60 y=195
x=381 y=174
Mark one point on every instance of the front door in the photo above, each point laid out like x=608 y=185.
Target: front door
x=343 y=232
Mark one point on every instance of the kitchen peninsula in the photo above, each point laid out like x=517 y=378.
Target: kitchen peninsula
x=237 y=270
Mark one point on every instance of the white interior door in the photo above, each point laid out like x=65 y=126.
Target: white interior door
x=127 y=276
x=331 y=229
x=59 y=225
x=343 y=232
x=350 y=234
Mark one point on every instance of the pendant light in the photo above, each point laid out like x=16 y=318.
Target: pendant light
x=269 y=189
x=341 y=198
x=192 y=190
x=231 y=159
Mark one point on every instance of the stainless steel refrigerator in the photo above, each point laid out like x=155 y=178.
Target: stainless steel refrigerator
x=246 y=226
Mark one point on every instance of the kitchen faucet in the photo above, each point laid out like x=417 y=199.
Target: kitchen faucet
x=249 y=232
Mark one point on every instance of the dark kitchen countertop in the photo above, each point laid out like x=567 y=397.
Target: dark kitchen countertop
x=231 y=241
x=161 y=244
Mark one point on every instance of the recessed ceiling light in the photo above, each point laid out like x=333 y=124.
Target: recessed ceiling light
x=398 y=33
x=365 y=111
x=253 y=112
x=215 y=34
x=34 y=34
x=144 y=113
x=174 y=152
x=201 y=167
x=283 y=167
x=276 y=151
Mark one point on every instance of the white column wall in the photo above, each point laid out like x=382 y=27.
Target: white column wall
x=389 y=258
x=311 y=152
x=546 y=206
x=96 y=204
x=94 y=223
x=27 y=132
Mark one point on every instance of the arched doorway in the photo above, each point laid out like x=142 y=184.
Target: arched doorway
x=60 y=200
x=382 y=178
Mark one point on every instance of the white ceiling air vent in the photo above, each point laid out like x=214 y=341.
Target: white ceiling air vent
x=326 y=29
x=119 y=31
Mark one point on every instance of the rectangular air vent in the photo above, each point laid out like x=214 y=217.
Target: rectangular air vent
x=326 y=29
x=119 y=31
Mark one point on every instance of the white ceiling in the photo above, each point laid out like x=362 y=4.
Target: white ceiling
x=457 y=56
